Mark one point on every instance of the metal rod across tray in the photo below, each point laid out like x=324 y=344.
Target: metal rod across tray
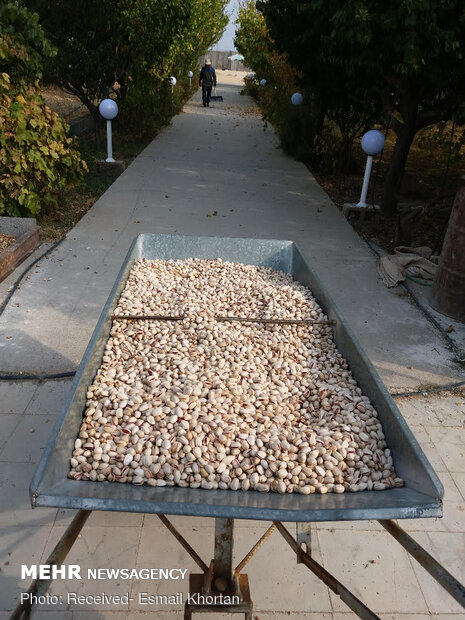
x=420 y=497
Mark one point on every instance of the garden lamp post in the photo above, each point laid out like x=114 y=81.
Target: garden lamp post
x=108 y=109
x=190 y=75
x=173 y=81
x=372 y=143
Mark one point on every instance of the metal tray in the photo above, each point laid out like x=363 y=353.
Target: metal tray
x=421 y=496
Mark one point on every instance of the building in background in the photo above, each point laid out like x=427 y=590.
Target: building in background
x=221 y=61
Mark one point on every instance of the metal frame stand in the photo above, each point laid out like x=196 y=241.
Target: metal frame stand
x=220 y=580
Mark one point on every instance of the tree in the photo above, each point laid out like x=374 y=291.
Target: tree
x=253 y=39
x=126 y=48
x=36 y=158
x=204 y=28
x=90 y=47
x=404 y=58
x=295 y=126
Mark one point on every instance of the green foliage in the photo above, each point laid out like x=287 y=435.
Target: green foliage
x=128 y=49
x=296 y=126
x=253 y=40
x=187 y=28
x=312 y=132
x=90 y=46
x=23 y=44
x=445 y=138
x=36 y=158
x=402 y=59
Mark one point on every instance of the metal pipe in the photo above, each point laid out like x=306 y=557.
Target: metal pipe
x=254 y=549
x=438 y=572
x=109 y=144
x=274 y=321
x=197 y=559
x=145 y=317
x=154 y=317
x=336 y=586
x=56 y=558
x=223 y=554
x=366 y=181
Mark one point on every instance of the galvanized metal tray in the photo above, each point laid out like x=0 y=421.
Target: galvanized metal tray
x=421 y=496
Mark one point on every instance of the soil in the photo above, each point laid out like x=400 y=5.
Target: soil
x=5 y=241
x=66 y=105
x=428 y=188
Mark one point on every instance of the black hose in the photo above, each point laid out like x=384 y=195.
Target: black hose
x=440 y=388
x=41 y=377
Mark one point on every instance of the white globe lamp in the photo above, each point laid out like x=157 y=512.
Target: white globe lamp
x=109 y=110
x=297 y=99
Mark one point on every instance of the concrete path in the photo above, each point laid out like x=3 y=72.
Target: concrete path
x=216 y=172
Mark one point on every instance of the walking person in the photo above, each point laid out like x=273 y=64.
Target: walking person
x=207 y=79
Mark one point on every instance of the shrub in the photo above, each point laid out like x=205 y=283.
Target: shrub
x=36 y=158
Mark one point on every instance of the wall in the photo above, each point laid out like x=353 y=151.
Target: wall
x=220 y=60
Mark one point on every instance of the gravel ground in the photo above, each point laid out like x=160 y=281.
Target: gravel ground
x=5 y=241
x=66 y=105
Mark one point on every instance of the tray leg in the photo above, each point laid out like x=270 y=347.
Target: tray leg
x=56 y=558
x=217 y=602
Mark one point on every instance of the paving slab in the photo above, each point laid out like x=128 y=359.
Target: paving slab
x=15 y=507
x=450 y=446
x=8 y=423
x=159 y=549
x=49 y=397
x=216 y=172
x=449 y=549
x=15 y=396
x=18 y=545
x=459 y=480
x=294 y=588
x=28 y=439
x=380 y=573
x=96 y=546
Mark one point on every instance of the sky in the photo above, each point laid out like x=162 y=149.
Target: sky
x=226 y=44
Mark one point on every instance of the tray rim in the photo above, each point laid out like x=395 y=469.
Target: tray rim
x=427 y=505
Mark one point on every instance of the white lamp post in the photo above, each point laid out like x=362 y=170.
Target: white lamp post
x=173 y=81
x=108 y=109
x=190 y=75
x=372 y=143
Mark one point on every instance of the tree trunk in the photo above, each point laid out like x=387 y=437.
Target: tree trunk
x=405 y=136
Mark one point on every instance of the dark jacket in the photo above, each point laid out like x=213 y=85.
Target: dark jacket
x=207 y=77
